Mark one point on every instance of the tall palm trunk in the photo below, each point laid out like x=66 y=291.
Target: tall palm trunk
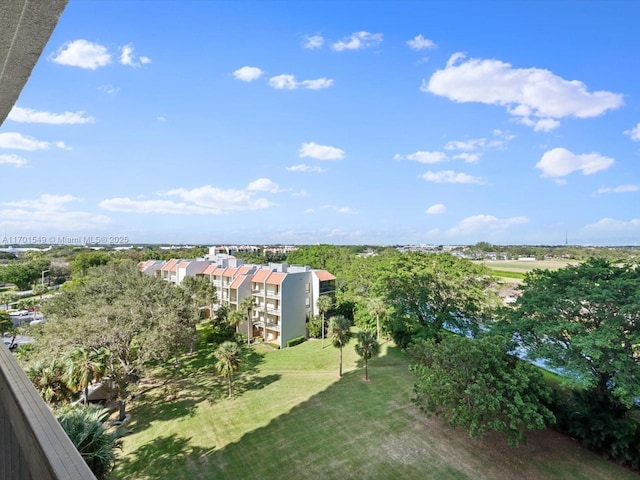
x=340 y=361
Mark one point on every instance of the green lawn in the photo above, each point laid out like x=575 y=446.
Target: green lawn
x=292 y=417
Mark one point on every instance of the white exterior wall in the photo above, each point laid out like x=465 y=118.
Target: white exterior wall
x=191 y=270
x=293 y=316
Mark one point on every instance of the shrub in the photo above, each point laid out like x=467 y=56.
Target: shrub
x=295 y=341
x=598 y=424
x=314 y=327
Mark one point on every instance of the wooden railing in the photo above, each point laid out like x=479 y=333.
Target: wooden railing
x=33 y=445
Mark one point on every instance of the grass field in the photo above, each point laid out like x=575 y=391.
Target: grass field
x=293 y=417
x=523 y=267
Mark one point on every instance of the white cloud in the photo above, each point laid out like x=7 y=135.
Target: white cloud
x=301 y=193
x=309 y=210
x=17 y=141
x=607 y=228
x=536 y=97
x=27 y=115
x=436 y=209
x=358 y=41
x=346 y=210
x=152 y=206
x=83 y=54
x=320 y=152
x=248 y=74
x=289 y=82
x=317 y=84
x=313 y=42
x=303 y=167
x=468 y=157
x=13 y=159
x=560 y=162
x=264 y=185
x=482 y=225
x=618 y=189
x=283 y=82
x=449 y=176
x=634 y=133
x=343 y=210
x=49 y=212
x=420 y=43
x=472 y=149
x=423 y=157
x=466 y=145
x=205 y=200
x=127 y=58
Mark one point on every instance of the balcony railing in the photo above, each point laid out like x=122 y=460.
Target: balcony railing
x=34 y=446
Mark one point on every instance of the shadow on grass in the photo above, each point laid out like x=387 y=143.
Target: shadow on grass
x=162 y=457
x=192 y=380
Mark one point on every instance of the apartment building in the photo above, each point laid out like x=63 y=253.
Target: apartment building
x=284 y=296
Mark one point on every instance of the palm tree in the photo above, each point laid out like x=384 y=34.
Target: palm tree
x=46 y=376
x=340 y=333
x=84 y=366
x=85 y=428
x=247 y=304
x=367 y=347
x=378 y=308
x=228 y=361
x=324 y=304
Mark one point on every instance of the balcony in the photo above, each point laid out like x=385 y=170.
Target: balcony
x=34 y=445
x=273 y=294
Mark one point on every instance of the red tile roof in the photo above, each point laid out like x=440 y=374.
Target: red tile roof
x=261 y=275
x=209 y=270
x=238 y=281
x=276 y=278
x=170 y=265
x=323 y=275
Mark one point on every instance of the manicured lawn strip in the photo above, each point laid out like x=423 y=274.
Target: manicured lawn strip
x=509 y=274
x=293 y=417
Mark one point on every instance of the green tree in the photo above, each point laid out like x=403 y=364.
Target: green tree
x=586 y=320
x=202 y=291
x=432 y=291
x=136 y=317
x=48 y=378
x=340 y=333
x=84 y=366
x=378 y=308
x=7 y=327
x=228 y=357
x=247 y=305
x=85 y=427
x=6 y=298
x=22 y=274
x=324 y=304
x=475 y=384
x=39 y=289
x=83 y=261
x=367 y=347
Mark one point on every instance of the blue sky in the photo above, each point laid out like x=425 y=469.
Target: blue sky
x=330 y=122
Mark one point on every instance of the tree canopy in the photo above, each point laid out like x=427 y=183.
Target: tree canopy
x=585 y=319
x=135 y=317
x=431 y=292
x=475 y=384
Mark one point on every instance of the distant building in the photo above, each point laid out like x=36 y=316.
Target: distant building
x=285 y=296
